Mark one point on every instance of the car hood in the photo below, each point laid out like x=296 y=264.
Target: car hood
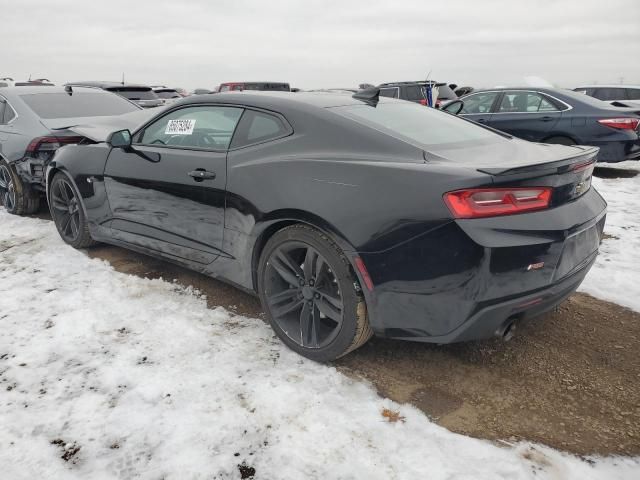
x=99 y=128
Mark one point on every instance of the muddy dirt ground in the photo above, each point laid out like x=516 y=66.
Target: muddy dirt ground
x=570 y=379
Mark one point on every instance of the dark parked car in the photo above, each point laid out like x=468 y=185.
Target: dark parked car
x=348 y=216
x=416 y=91
x=143 y=95
x=557 y=116
x=262 y=86
x=34 y=123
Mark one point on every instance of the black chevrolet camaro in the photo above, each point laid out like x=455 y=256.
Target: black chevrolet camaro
x=348 y=215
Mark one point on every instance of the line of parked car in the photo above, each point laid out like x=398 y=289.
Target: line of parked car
x=280 y=193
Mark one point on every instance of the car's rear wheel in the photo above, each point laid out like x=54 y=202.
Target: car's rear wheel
x=16 y=197
x=560 y=140
x=67 y=213
x=311 y=297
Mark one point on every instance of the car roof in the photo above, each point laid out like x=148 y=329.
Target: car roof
x=274 y=100
x=100 y=84
x=35 y=89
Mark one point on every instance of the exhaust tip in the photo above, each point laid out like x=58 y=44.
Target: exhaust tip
x=507 y=330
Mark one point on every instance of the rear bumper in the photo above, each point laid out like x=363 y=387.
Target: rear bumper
x=619 y=151
x=491 y=320
x=467 y=279
x=31 y=171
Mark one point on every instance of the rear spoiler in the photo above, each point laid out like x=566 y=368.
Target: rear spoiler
x=583 y=159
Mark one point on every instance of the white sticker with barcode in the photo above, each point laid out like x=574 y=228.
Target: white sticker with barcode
x=180 y=127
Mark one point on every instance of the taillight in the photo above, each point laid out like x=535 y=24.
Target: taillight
x=49 y=144
x=620 y=123
x=491 y=202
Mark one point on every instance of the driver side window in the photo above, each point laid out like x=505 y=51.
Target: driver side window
x=207 y=127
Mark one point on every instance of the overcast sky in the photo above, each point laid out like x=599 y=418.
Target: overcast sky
x=315 y=44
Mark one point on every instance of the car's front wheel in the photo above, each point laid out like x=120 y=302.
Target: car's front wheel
x=310 y=295
x=16 y=197
x=67 y=213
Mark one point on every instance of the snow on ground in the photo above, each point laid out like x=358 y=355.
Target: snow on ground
x=105 y=375
x=616 y=273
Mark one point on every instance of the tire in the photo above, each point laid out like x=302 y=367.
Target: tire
x=68 y=215
x=560 y=141
x=16 y=197
x=291 y=263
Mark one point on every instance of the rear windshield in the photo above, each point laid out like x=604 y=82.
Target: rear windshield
x=415 y=123
x=168 y=94
x=79 y=104
x=135 y=93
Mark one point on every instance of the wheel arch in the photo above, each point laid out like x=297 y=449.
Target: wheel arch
x=277 y=220
x=50 y=173
x=560 y=134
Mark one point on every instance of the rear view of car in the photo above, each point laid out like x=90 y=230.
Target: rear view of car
x=34 y=123
x=167 y=95
x=141 y=95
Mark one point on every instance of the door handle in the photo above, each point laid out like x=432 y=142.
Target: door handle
x=546 y=119
x=482 y=120
x=200 y=174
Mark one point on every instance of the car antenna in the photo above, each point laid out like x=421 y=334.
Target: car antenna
x=68 y=89
x=369 y=95
x=122 y=78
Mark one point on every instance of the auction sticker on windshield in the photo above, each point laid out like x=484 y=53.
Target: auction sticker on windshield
x=180 y=127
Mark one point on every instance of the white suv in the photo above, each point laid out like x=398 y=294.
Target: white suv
x=618 y=95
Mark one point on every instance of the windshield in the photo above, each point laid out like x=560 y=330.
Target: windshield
x=79 y=104
x=135 y=93
x=415 y=123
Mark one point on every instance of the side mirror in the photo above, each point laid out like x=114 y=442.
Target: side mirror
x=120 y=139
x=454 y=107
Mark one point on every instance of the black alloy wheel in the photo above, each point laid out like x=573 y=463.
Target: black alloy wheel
x=310 y=294
x=303 y=295
x=7 y=189
x=66 y=210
